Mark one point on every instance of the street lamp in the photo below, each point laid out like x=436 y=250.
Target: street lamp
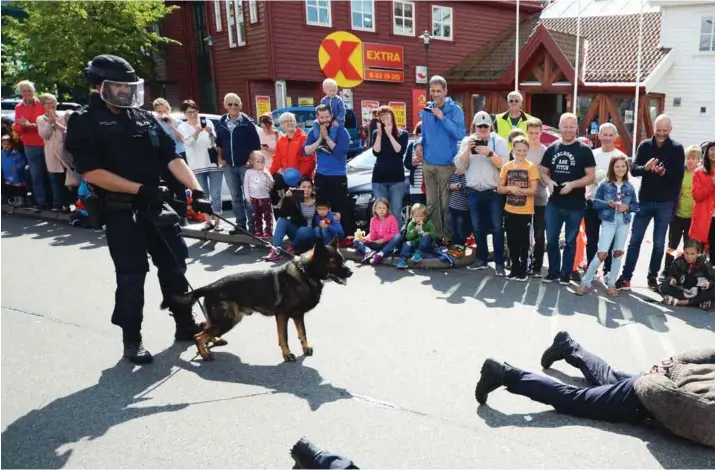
x=426 y=38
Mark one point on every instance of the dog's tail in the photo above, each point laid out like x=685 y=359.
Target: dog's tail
x=184 y=300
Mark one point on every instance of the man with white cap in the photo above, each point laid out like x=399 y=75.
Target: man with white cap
x=481 y=155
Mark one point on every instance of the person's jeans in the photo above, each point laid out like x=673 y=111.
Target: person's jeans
x=425 y=244
x=297 y=235
x=461 y=225
x=211 y=182
x=661 y=213
x=612 y=237
x=393 y=192
x=556 y=217
x=57 y=181
x=385 y=248
x=539 y=228
x=436 y=179
x=235 y=175
x=36 y=160
x=486 y=211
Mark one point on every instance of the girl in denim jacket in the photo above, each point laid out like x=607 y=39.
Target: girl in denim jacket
x=615 y=201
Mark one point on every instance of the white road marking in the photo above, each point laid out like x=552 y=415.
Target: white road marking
x=636 y=342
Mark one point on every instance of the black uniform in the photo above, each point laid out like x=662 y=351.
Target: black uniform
x=134 y=146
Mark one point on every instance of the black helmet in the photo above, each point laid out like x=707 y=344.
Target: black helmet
x=109 y=67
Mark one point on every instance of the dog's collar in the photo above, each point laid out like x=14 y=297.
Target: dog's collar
x=300 y=266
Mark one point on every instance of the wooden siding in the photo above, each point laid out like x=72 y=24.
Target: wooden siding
x=181 y=59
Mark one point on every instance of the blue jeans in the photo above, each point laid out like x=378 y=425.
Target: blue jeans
x=57 y=183
x=613 y=236
x=385 y=248
x=424 y=245
x=461 y=224
x=660 y=212
x=393 y=192
x=556 y=217
x=211 y=182
x=297 y=235
x=36 y=160
x=323 y=233
x=235 y=176
x=486 y=211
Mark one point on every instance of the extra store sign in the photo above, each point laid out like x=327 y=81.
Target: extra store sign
x=349 y=61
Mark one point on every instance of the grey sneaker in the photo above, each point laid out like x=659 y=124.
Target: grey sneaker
x=499 y=271
x=477 y=265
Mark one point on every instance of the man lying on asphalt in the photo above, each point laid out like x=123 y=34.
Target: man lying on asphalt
x=679 y=393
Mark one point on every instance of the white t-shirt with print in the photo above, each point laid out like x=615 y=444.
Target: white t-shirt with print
x=602 y=160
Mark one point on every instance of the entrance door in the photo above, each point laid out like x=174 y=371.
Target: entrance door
x=548 y=107
x=203 y=53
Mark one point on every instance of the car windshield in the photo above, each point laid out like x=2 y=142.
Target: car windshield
x=364 y=161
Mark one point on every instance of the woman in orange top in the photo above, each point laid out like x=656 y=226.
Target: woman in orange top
x=702 y=228
x=289 y=154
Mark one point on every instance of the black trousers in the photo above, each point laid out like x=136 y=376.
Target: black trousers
x=678 y=230
x=278 y=185
x=610 y=395
x=593 y=228
x=703 y=296
x=518 y=229
x=539 y=224
x=129 y=242
x=334 y=189
x=177 y=190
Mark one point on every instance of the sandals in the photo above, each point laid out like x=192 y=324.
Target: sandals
x=669 y=300
x=581 y=290
x=207 y=226
x=706 y=305
x=613 y=292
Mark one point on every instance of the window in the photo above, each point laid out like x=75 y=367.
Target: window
x=217 y=15
x=362 y=15
x=253 y=11
x=707 y=34
x=231 y=23
x=240 y=26
x=317 y=13
x=625 y=109
x=403 y=18
x=442 y=23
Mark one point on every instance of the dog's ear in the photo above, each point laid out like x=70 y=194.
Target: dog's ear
x=319 y=245
x=334 y=243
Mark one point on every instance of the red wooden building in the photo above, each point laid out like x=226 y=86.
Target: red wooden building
x=264 y=49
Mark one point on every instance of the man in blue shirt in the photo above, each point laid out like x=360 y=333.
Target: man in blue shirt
x=331 y=177
x=442 y=131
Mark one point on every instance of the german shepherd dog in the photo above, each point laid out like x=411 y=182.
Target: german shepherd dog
x=287 y=291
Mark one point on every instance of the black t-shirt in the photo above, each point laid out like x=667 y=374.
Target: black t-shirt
x=568 y=163
x=514 y=121
x=389 y=165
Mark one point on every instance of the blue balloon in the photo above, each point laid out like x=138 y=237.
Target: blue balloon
x=291 y=177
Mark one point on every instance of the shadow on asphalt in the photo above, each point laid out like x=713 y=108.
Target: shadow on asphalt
x=670 y=451
x=60 y=233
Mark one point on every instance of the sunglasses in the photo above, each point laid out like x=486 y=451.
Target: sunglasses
x=483 y=126
x=514 y=101
x=232 y=104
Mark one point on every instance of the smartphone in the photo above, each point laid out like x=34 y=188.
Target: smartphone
x=299 y=195
x=428 y=110
x=202 y=120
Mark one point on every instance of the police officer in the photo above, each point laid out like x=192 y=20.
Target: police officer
x=122 y=151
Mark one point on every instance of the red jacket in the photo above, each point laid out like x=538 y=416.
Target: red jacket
x=704 y=196
x=289 y=154
x=29 y=135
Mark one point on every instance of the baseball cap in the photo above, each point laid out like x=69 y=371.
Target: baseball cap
x=482 y=118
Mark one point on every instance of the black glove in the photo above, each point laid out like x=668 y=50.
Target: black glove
x=153 y=195
x=200 y=203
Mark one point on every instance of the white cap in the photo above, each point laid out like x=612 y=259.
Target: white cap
x=482 y=118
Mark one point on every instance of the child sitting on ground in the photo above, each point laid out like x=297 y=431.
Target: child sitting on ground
x=257 y=186
x=384 y=234
x=420 y=236
x=325 y=225
x=14 y=176
x=690 y=279
x=459 y=210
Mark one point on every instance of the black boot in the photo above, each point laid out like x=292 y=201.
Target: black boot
x=555 y=352
x=668 y=263
x=186 y=327
x=134 y=350
x=492 y=378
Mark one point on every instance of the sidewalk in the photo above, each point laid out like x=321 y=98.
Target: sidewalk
x=191 y=231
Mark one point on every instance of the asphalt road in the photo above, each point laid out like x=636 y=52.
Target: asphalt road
x=391 y=383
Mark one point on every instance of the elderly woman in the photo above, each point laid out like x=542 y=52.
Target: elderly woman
x=26 y=113
x=389 y=146
x=52 y=127
x=162 y=110
x=201 y=156
x=289 y=154
x=269 y=136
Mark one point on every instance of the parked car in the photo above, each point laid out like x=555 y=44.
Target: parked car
x=305 y=116
x=8 y=107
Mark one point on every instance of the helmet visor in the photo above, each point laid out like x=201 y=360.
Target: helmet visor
x=123 y=94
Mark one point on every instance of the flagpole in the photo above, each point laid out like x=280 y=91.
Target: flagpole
x=636 y=130
x=516 y=47
x=578 y=55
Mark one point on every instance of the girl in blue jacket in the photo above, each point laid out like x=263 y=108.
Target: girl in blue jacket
x=14 y=176
x=615 y=201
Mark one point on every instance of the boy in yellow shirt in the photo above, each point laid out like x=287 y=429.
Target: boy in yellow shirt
x=518 y=179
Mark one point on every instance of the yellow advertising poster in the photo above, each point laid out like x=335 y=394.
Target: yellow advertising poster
x=306 y=102
x=289 y=102
x=263 y=105
x=400 y=110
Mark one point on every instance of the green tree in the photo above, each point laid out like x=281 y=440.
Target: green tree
x=55 y=41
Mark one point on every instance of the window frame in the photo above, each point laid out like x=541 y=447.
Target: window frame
x=711 y=35
x=253 y=11
x=363 y=14
x=394 y=18
x=240 y=23
x=218 y=19
x=316 y=5
x=451 y=24
x=232 y=37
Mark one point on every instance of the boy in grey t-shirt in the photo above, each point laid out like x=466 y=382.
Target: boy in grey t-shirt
x=536 y=152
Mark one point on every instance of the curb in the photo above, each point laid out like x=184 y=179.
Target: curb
x=349 y=253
